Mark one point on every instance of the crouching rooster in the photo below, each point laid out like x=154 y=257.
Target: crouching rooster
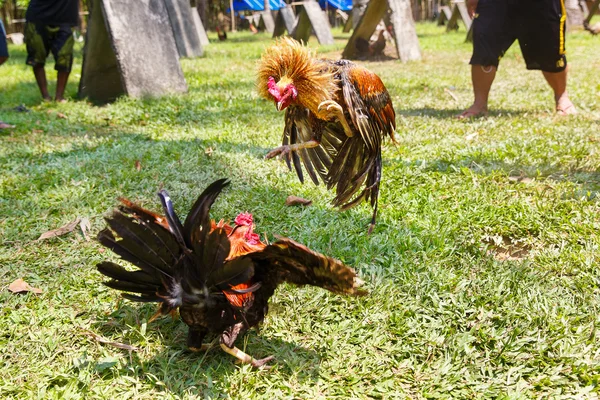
x=337 y=115
x=219 y=277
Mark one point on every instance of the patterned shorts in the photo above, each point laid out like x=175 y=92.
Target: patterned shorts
x=41 y=39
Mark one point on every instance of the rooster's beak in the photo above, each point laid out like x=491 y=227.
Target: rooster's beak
x=280 y=105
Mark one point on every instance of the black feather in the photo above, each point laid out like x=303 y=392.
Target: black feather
x=117 y=272
x=233 y=273
x=174 y=222
x=198 y=219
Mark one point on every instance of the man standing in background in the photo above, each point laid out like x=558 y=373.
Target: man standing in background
x=539 y=26
x=49 y=28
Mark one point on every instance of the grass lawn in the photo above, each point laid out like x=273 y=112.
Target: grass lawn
x=482 y=270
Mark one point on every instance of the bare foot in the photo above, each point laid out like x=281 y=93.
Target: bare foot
x=47 y=98
x=473 y=112
x=565 y=107
x=4 y=125
x=60 y=100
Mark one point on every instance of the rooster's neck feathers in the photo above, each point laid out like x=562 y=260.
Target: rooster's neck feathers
x=290 y=61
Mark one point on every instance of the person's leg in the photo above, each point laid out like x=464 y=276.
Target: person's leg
x=491 y=39
x=37 y=52
x=543 y=48
x=62 y=49
x=61 y=83
x=482 y=78
x=558 y=83
x=40 y=77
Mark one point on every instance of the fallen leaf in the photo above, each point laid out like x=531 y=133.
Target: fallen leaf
x=208 y=151
x=85 y=226
x=138 y=165
x=104 y=340
x=61 y=115
x=37 y=131
x=20 y=286
x=451 y=94
x=70 y=227
x=297 y=201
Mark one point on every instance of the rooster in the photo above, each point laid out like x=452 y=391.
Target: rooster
x=219 y=277
x=337 y=115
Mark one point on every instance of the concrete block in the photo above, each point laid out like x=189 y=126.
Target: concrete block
x=184 y=28
x=129 y=50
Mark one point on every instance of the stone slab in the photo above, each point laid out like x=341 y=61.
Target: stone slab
x=310 y=19
x=285 y=21
x=404 y=33
x=266 y=22
x=444 y=16
x=459 y=11
x=130 y=49
x=200 y=28
x=184 y=28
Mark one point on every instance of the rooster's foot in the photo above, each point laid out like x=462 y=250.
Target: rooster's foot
x=246 y=358
x=281 y=150
x=285 y=150
x=333 y=110
x=261 y=363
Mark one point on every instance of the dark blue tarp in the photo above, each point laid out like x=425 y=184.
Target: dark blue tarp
x=344 y=5
x=256 y=5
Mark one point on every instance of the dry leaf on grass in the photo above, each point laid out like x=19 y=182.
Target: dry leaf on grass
x=70 y=227
x=297 y=201
x=61 y=115
x=451 y=94
x=138 y=165
x=104 y=340
x=20 y=286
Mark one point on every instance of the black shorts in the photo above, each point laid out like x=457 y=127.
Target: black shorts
x=41 y=39
x=539 y=25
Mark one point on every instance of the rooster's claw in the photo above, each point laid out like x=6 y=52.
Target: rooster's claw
x=261 y=363
x=281 y=150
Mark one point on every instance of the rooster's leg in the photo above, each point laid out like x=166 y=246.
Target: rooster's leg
x=284 y=150
x=194 y=339
x=246 y=358
x=332 y=110
x=204 y=347
x=227 y=341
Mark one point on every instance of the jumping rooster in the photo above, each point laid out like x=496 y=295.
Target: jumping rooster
x=219 y=277
x=337 y=115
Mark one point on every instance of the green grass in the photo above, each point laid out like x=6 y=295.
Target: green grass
x=446 y=317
